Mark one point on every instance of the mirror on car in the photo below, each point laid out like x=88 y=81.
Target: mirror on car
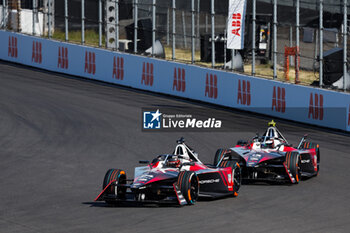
x=144 y=161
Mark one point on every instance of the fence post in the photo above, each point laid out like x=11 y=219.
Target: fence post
x=66 y=19
x=198 y=18
x=316 y=44
x=174 y=29
x=193 y=33
x=82 y=21
x=212 y=33
x=321 y=43
x=225 y=47
x=153 y=26
x=184 y=28
x=253 y=38
x=206 y=23
x=232 y=56
x=49 y=18
x=290 y=42
x=19 y=13
x=297 y=42
x=117 y=25
x=99 y=23
x=135 y=24
x=274 y=39
x=345 y=40
x=167 y=27
x=3 y=14
x=33 y=18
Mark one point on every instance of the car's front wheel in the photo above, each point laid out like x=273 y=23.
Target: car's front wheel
x=311 y=145
x=116 y=176
x=237 y=179
x=189 y=185
x=293 y=164
x=236 y=174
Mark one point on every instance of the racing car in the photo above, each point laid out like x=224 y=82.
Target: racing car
x=178 y=178
x=271 y=158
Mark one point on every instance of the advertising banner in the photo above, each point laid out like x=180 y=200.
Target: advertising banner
x=235 y=24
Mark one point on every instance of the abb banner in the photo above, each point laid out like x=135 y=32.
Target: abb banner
x=279 y=99
x=235 y=24
x=272 y=98
x=243 y=93
x=12 y=48
x=179 y=83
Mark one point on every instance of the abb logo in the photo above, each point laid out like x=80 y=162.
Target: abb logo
x=236 y=23
x=211 y=86
x=37 y=52
x=243 y=96
x=179 y=83
x=62 y=58
x=13 y=50
x=316 y=107
x=90 y=63
x=279 y=99
x=118 y=68
x=147 y=74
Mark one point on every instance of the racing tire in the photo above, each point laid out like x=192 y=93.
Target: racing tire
x=237 y=174
x=218 y=156
x=292 y=163
x=237 y=179
x=188 y=184
x=118 y=176
x=311 y=145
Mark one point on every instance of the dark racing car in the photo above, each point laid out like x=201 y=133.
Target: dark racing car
x=177 y=178
x=271 y=158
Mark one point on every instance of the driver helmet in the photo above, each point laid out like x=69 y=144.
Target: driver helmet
x=269 y=143
x=173 y=162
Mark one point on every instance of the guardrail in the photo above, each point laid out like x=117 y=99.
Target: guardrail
x=277 y=99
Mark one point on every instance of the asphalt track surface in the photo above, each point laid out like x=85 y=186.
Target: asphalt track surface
x=59 y=135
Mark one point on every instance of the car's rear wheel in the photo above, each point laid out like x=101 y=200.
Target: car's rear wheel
x=119 y=177
x=292 y=163
x=311 y=145
x=188 y=184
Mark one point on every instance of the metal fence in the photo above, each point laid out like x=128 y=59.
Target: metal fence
x=306 y=38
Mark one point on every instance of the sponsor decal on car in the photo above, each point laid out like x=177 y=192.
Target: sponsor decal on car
x=211 y=181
